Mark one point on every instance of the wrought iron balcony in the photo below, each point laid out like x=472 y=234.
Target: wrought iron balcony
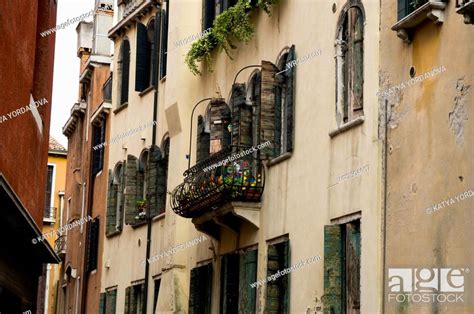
x=210 y=184
x=49 y=214
x=60 y=246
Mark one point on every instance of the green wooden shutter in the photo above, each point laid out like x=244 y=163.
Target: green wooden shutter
x=131 y=190
x=206 y=278
x=128 y=292
x=111 y=204
x=352 y=257
x=125 y=58
x=142 y=71
x=248 y=275
x=111 y=303
x=162 y=181
x=102 y=303
x=230 y=284
x=289 y=99
x=218 y=110
x=358 y=60
x=267 y=108
x=154 y=157
x=122 y=195
x=277 y=297
x=164 y=40
x=193 y=292
x=333 y=269
x=200 y=290
x=241 y=117
x=402 y=8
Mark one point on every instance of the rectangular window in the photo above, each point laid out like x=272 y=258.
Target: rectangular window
x=156 y=293
x=134 y=296
x=342 y=267
x=92 y=245
x=164 y=40
x=278 y=290
x=200 y=290
x=98 y=148
x=48 y=213
x=238 y=271
x=108 y=302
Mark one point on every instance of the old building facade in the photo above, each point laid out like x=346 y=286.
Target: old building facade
x=427 y=96
x=26 y=68
x=88 y=132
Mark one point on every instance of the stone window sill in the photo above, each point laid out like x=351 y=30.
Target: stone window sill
x=112 y=234
x=467 y=9
x=347 y=126
x=146 y=90
x=279 y=159
x=432 y=10
x=125 y=105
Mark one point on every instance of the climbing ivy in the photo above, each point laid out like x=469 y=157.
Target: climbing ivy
x=232 y=25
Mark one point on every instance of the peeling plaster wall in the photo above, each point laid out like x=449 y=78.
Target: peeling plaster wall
x=430 y=149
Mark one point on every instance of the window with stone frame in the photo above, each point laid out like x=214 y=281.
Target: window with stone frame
x=148 y=44
x=124 y=71
x=350 y=63
x=142 y=176
x=342 y=254
x=108 y=302
x=115 y=199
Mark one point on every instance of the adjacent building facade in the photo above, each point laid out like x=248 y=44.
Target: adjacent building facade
x=88 y=132
x=25 y=108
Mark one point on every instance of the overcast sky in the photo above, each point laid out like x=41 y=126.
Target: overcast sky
x=66 y=65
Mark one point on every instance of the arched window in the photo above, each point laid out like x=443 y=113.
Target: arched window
x=124 y=71
x=115 y=200
x=119 y=196
x=252 y=100
x=145 y=69
x=350 y=63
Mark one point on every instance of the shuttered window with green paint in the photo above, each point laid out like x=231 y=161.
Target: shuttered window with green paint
x=342 y=268
x=277 y=296
x=200 y=290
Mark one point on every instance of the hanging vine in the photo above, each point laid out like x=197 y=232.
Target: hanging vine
x=231 y=26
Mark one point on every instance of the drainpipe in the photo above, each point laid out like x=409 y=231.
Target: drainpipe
x=153 y=142
x=385 y=176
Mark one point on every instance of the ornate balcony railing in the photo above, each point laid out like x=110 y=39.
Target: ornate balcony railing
x=208 y=185
x=49 y=214
x=60 y=246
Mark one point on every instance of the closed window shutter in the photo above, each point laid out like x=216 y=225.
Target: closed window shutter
x=200 y=290
x=278 y=290
x=208 y=13
x=156 y=46
x=122 y=194
x=289 y=99
x=154 y=157
x=248 y=275
x=164 y=41
x=125 y=58
x=111 y=205
x=402 y=8
x=92 y=245
x=267 y=109
x=111 y=303
x=333 y=269
x=162 y=182
x=241 y=117
x=357 y=53
x=142 y=71
x=203 y=144
x=230 y=283
x=102 y=303
x=130 y=205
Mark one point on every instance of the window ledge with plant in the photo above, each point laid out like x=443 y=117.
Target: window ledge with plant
x=231 y=26
x=416 y=12
x=466 y=8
